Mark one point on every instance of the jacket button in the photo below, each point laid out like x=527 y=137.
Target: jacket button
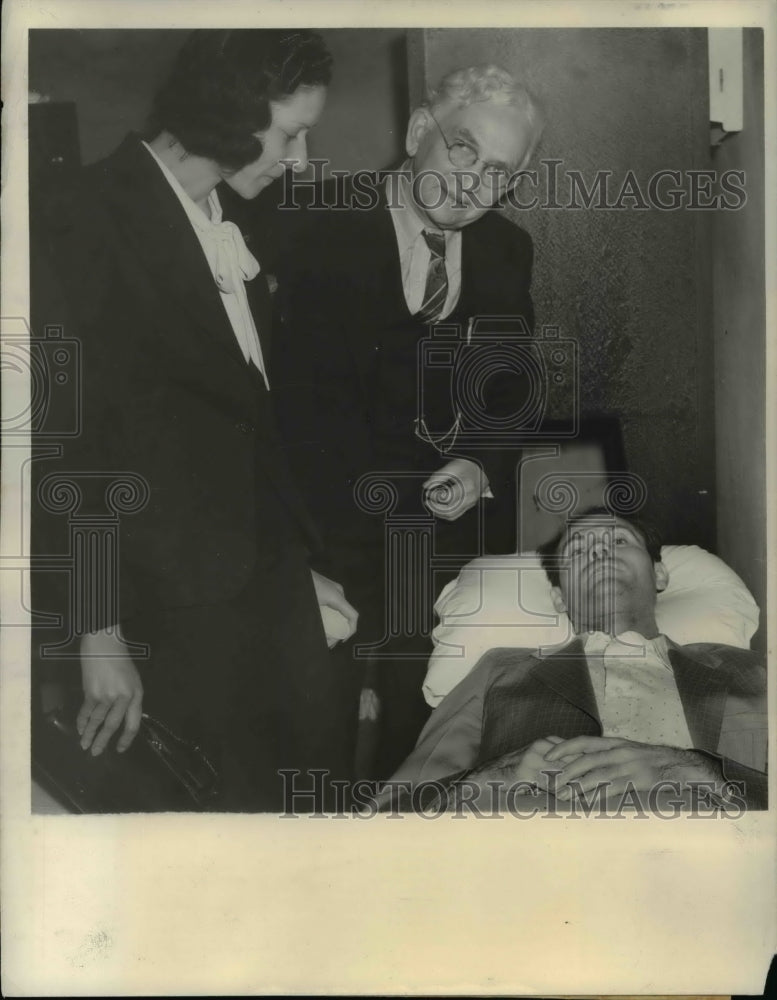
x=244 y=427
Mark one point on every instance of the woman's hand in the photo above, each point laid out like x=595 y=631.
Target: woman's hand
x=331 y=595
x=113 y=693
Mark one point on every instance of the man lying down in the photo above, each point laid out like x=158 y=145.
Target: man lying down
x=621 y=716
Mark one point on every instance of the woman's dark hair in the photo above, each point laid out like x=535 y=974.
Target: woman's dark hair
x=549 y=551
x=219 y=91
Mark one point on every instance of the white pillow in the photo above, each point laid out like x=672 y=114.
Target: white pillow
x=505 y=601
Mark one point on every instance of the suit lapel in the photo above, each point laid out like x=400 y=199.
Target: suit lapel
x=375 y=266
x=470 y=259
x=703 y=696
x=554 y=697
x=259 y=303
x=566 y=673
x=702 y=692
x=478 y=269
x=155 y=221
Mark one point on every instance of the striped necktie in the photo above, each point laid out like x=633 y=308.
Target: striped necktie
x=436 y=291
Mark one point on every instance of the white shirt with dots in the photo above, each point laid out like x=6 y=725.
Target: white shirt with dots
x=635 y=688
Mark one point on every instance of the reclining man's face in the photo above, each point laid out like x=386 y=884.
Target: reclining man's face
x=498 y=138
x=607 y=576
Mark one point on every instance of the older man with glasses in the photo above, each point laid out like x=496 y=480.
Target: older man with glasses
x=362 y=389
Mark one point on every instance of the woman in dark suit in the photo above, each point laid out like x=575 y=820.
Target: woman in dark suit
x=216 y=626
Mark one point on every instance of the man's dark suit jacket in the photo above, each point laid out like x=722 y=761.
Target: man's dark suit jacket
x=165 y=391
x=347 y=359
x=514 y=697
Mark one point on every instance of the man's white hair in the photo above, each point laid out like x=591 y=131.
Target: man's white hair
x=473 y=84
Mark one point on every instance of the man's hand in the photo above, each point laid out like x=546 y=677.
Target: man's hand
x=524 y=765
x=113 y=693
x=496 y=783
x=622 y=764
x=453 y=489
x=331 y=595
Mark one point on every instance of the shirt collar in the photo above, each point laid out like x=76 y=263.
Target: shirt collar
x=625 y=645
x=198 y=217
x=408 y=223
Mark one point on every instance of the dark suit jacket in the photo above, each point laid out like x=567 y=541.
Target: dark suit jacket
x=514 y=697
x=165 y=391
x=347 y=359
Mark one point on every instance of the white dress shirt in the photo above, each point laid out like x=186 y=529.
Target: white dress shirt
x=414 y=254
x=635 y=689
x=230 y=263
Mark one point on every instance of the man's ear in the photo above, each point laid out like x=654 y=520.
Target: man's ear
x=558 y=599
x=417 y=128
x=662 y=576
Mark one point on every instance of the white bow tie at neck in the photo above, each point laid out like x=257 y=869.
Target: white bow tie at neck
x=232 y=264
x=229 y=258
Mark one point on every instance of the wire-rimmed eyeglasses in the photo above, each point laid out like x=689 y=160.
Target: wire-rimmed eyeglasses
x=464 y=156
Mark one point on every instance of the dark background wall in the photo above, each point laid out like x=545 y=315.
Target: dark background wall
x=112 y=76
x=633 y=287
x=739 y=326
